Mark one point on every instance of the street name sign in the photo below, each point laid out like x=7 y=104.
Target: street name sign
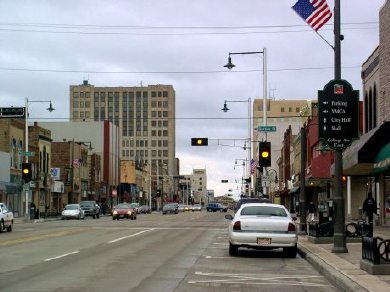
x=266 y=128
x=26 y=153
x=12 y=112
x=338 y=114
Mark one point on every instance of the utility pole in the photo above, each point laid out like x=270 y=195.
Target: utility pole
x=339 y=243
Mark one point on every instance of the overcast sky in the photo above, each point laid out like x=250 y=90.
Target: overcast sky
x=45 y=46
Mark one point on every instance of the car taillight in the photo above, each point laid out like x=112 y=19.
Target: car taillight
x=291 y=227
x=237 y=226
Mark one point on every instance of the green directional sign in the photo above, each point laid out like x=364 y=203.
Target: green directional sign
x=266 y=128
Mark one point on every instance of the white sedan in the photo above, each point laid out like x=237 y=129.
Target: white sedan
x=72 y=211
x=262 y=226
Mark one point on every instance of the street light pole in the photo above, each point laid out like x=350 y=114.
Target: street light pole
x=225 y=109
x=50 y=109
x=230 y=65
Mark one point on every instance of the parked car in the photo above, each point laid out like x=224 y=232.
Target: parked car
x=124 y=210
x=250 y=200
x=214 y=207
x=262 y=226
x=6 y=218
x=144 y=209
x=72 y=211
x=196 y=207
x=181 y=207
x=135 y=206
x=172 y=208
x=90 y=208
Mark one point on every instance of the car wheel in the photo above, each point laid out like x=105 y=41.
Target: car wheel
x=1 y=226
x=290 y=252
x=93 y=216
x=113 y=218
x=9 y=228
x=117 y=218
x=97 y=216
x=233 y=249
x=62 y=218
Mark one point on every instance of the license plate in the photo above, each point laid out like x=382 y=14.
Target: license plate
x=264 y=241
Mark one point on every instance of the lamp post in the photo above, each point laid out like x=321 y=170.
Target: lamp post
x=225 y=109
x=230 y=66
x=244 y=161
x=50 y=109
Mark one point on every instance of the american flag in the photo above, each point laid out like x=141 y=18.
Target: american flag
x=315 y=12
x=253 y=166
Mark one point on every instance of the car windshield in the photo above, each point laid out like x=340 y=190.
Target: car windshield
x=123 y=206
x=263 y=211
x=87 y=203
x=72 y=207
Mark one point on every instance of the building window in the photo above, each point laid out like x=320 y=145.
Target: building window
x=282 y=109
x=297 y=109
x=289 y=109
x=75 y=104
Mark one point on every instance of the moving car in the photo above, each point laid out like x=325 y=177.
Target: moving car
x=6 y=218
x=214 y=207
x=196 y=207
x=262 y=226
x=172 y=208
x=124 y=210
x=72 y=211
x=90 y=208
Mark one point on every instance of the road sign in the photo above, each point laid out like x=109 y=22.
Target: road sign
x=266 y=128
x=179 y=177
x=26 y=187
x=265 y=178
x=12 y=112
x=26 y=153
x=338 y=114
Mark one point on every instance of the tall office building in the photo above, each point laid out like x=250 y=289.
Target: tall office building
x=145 y=116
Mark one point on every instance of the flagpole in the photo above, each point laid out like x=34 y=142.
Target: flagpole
x=325 y=40
x=339 y=238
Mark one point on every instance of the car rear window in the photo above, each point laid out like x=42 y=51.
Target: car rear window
x=263 y=211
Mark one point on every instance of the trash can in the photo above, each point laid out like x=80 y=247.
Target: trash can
x=32 y=213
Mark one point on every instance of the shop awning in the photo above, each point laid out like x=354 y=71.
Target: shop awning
x=382 y=161
x=360 y=157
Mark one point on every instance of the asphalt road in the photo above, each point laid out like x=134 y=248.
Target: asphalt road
x=184 y=252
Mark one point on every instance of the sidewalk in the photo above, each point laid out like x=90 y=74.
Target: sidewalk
x=343 y=269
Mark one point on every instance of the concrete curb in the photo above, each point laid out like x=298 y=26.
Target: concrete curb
x=334 y=276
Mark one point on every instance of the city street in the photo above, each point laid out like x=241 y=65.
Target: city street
x=184 y=252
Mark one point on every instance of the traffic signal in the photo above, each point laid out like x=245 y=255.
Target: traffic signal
x=199 y=141
x=26 y=172
x=264 y=154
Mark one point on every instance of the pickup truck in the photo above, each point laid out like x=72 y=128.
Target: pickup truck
x=6 y=218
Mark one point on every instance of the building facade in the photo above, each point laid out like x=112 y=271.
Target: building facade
x=145 y=117
x=282 y=114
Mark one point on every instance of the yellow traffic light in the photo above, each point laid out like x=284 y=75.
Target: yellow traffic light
x=265 y=154
x=199 y=141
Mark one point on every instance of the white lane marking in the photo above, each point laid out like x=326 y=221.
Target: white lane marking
x=61 y=256
x=128 y=236
x=220 y=243
x=211 y=257
x=243 y=279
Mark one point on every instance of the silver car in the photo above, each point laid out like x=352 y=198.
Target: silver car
x=72 y=211
x=262 y=226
